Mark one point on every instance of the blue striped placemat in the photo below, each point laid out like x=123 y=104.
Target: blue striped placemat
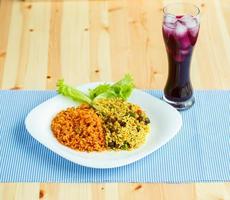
x=199 y=153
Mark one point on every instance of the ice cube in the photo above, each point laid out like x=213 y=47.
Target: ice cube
x=170 y=21
x=180 y=30
x=184 y=52
x=193 y=34
x=194 y=31
x=189 y=21
x=185 y=42
x=167 y=31
x=181 y=36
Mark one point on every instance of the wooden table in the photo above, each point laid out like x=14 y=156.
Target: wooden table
x=82 y=41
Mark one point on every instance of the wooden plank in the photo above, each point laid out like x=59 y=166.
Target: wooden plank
x=100 y=60
x=114 y=191
x=213 y=191
x=26 y=191
x=8 y=191
x=75 y=42
x=139 y=191
x=54 y=54
x=65 y=191
x=36 y=54
x=5 y=16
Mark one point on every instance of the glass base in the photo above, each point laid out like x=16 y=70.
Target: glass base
x=183 y=105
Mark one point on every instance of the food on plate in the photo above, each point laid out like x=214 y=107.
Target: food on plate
x=104 y=120
x=79 y=128
x=126 y=124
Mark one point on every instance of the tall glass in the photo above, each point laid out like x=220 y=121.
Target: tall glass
x=180 y=31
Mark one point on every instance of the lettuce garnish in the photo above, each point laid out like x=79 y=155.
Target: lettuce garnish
x=121 y=89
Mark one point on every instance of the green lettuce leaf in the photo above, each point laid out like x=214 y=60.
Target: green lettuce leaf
x=121 y=89
x=98 y=90
x=124 y=87
x=73 y=93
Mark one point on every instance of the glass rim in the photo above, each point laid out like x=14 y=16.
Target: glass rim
x=197 y=9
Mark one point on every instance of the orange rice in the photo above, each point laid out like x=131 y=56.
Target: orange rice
x=80 y=129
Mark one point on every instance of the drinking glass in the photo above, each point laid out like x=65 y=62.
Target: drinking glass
x=180 y=31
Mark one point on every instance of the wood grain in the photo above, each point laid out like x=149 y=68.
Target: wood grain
x=84 y=41
x=54 y=58
x=5 y=13
x=81 y=41
x=114 y=191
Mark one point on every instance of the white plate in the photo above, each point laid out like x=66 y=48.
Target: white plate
x=165 y=124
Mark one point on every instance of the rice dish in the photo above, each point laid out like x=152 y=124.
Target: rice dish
x=110 y=124
x=126 y=124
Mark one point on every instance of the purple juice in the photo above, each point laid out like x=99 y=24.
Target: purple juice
x=180 y=35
